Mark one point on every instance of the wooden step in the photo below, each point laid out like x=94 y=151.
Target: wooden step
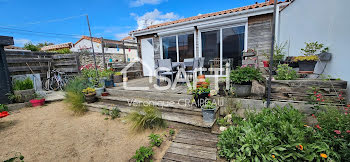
x=190 y=145
x=179 y=119
x=164 y=106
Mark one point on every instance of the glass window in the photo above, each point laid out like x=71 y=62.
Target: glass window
x=186 y=46
x=233 y=45
x=211 y=48
x=169 y=48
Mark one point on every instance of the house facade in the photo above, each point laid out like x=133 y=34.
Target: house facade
x=221 y=35
x=112 y=47
x=318 y=20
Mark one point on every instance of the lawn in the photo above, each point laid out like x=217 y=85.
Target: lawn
x=53 y=133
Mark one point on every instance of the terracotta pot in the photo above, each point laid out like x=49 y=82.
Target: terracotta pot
x=36 y=102
x=105 y=94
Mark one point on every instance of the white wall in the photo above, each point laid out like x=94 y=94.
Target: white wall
x=84 y=44
x=325 y=21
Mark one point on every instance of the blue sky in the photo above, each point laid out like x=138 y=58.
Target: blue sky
x=112 y=19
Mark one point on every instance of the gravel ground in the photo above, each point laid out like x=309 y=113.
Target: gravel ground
x=53 y=133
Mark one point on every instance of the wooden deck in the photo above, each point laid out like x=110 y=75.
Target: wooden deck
x=193 y=146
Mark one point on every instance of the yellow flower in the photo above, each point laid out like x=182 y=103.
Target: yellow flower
x=306 y=58
x=273 y=156
x=323 y=155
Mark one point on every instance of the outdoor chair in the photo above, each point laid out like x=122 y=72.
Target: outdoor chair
x=195 y=67
x=165 y=68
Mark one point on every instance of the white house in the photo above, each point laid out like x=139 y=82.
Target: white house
x=220 y=36
x=325 y=21
x=110 y=47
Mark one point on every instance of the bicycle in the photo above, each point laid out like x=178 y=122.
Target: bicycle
x=56 y=82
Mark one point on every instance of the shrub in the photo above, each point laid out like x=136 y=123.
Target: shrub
x=155 y=140
x=274 y=134
x=74 y=94
x=143 y=154
x=334 y=127
x=284 y=72
x=244 y=75
x=114 y=113
x=23 y=84
x=63 y=51
x=3 y=108
x=147 y=117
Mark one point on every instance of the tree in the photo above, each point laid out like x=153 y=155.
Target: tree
x=40 y=45
x=31 y=46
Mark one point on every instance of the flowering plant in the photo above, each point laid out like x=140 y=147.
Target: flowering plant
x=89 y=90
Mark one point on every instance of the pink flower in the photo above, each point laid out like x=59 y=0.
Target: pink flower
x=346 y=113
x=322 y=100
x=315 y=92
x=337 y=131
x=348 y=131
x=318 y=99
x=340 y=95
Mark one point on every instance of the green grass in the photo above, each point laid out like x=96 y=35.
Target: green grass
x=147 y=117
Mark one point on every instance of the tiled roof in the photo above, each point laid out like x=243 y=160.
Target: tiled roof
x=98 y=40
x=257 y=5
x=127 y=38
x=57 y=46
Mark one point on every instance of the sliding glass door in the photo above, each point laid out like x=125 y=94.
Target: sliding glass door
x=169 y=48
x=232 y=42
x=178 y=47
x=211 y=49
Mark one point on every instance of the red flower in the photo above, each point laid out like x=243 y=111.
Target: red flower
x=318 y=99
x=340 y=95
x=346 y=109
x=349 y=105
x=318 y=126
x=315 y=92
x=337 y=131
x=348 y=131
x=313 y=115
x=322 y=100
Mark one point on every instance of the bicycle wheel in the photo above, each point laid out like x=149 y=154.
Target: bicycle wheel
x=54 y=84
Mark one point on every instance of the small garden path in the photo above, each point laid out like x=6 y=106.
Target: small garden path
x=190 y=145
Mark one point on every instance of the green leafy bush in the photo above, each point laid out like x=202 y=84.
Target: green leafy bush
x=23 y=84
x=155 y=140
x=245 y=75
x=171 y=132
x=114 y=113
x=284 y=72
x=334 y=127
x=74 y=94
x=274 y=134
x=143 y=154
x=63 y=51
x=3 y=108
x=147 y=117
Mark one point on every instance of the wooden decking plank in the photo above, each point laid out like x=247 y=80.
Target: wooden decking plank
x=193 y=153
x=198 y=135
x=193 y=147
x=182 y=158
x=197 y=142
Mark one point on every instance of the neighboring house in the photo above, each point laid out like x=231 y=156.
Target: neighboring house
x=324 y=21
x=57 y=47
x=110 y=47
x=221 y=35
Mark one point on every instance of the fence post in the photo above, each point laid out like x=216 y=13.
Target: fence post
x=5 y=82
x=125 y=58
x=103 y=53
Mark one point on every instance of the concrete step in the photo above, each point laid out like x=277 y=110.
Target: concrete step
x=181 y=120
x=178 y=106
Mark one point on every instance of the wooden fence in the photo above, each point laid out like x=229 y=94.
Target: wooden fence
x=22 y=62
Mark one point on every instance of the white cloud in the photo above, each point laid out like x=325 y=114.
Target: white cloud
x=138 y=3
x=121 y=35
x=154 y=17
x=21 y=42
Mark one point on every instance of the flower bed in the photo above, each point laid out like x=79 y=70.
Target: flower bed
x=281 y=134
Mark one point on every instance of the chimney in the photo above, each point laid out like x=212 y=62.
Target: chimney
x=272 y=1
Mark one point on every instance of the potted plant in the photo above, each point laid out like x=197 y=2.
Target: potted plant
x=107 y=77
x=90 y=95
x=309 y=60
x=208 y=111
x=278 y=56
x=200 y=95
x=242 y=78
x=37 y=101
x=118 y=77
x=23 y=89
